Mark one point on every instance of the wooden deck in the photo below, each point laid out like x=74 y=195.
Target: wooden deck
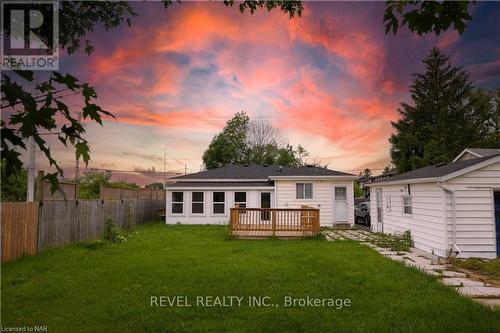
x=278 y=222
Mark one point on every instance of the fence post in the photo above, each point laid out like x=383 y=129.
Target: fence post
x=39 y=186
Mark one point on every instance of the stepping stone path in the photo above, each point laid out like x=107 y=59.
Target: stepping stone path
x=479 y=291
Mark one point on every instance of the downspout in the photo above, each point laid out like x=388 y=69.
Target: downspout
x=453 y=218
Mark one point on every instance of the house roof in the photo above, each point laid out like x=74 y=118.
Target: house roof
x=479 y=152
x=188 y=184
x=261 y=172
x=436 y=171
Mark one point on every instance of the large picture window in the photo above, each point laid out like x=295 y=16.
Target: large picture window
x=197 y=203
x=219 y=202
x=240 y=199
x=304 y=191
x=177 y=202
x=407 y=205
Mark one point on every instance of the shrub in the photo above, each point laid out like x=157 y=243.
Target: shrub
x=93 y=244
x=111 y=232
x=394 y=242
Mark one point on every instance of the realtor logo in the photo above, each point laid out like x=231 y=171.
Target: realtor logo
x=30 y=33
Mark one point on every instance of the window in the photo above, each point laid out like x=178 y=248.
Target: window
x=304 y=191
x=340 y=193
x=407 y=207
x=218 y=202
x=177 y=202
x=388 y=203
x=197 y=203
x=240 y=199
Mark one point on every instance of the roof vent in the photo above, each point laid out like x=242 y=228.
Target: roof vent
x=280 y=169
x=266 y=165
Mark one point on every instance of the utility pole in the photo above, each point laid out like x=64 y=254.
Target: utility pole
x=77 y=160
x=164 y=166
x=30 y=195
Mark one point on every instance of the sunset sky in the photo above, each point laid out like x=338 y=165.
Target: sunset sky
x=331 y=80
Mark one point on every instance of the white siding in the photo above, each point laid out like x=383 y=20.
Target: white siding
x=323 y=192
x=426 y=222
x=474 y=214
x=253 y=201
x=431 y=223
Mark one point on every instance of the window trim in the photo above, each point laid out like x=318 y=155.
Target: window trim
x=218 y=202
x=177 y=202
x=403 y=205
x=241 y=202
x=202 y=202
x=304 y=191
x=388 y=203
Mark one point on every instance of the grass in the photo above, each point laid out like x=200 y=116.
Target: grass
x=489 y=268
x=108 y=288
x=393 y=242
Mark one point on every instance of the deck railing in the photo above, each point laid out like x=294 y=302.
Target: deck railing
x=280 y=222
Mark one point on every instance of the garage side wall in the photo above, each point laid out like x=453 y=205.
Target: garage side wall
x=474 y=214
x=426 y=223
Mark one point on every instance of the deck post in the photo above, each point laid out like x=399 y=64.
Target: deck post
x=273 y=221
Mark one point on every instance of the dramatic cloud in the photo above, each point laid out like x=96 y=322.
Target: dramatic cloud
x=331 y=79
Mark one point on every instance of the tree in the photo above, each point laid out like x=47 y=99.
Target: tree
x=90 y=184
x=358 y=191
x=366 y=173
x=245 y=142
x=229 y=146
x=446 y=116
x=426 y=16
x=157 y=186
x=388 y=170
x=14 y=185
x=35 y=108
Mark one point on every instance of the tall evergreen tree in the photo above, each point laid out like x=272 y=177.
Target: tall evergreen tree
x=441 y=120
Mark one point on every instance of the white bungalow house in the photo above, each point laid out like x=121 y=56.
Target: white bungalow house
x=448 y=208
x=206 y=197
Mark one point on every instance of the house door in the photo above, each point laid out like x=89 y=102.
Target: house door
x=265 y=202
x=496 y=196
x=378 y=201
x=340 y=205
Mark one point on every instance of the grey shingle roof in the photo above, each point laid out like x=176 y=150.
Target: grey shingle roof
x=484 y=152
x=219 y=184
x=436 y=171
x=260 y=172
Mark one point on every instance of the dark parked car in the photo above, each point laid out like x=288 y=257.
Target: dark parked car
x=362 y=213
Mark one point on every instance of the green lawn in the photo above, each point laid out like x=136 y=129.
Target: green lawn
x=108 y=289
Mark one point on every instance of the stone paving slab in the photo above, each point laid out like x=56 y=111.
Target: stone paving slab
x=428 y=263
x=452 y=274
x=491 y=302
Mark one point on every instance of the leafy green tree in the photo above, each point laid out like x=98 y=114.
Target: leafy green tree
x=229 y=146
x=388 y=169
x=123 y=183
x=34 y=108
x=427 y=16
x=245 y=142
x=14 y=185
x=446 y=115
x=156 y=185
x=358 y=191
x=90 y=184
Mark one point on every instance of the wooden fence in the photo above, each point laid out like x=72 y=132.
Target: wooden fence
x=265 y=222
x=131 y=193
x=28 y=228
